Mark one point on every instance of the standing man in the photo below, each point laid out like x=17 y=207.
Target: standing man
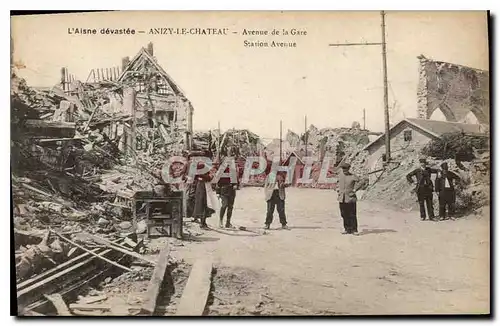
x=275 y=196
x=445 y=188
x=227 y=192
x=201 y=210
x=347 y=186
x=424 y=188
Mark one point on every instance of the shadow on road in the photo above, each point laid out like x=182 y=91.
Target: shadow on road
x=376 y=231
x=312 y=227
x=235 y=233
x=202 y=239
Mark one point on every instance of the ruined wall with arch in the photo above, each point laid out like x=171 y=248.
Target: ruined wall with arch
x=455 y=90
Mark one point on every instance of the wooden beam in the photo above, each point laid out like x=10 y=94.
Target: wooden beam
x=55 y=269
x=82 y=282
x=149 y=304
x=109 y=244
x=94 y=299
x=86 y=306
x=92 y=253
x=57 y=275
x=45 y=140
x=195 y=294
x=90 y=119
x=58 y=302
x=59 y=267
x=49 y=124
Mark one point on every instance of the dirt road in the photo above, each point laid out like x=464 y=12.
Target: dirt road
x=398 y=265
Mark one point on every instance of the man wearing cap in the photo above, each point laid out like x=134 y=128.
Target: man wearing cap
x=347 y=186
x=424 y=188
x=227 y=193
x=445 y=188
x=275 y=197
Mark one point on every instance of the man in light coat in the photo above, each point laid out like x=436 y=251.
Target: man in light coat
x=275 y=195
x=347 y=186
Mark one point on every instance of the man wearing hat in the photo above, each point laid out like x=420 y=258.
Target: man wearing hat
x=445 y=188
x=227 y=193
x=274 y=191
x=346 y=190
x=424 y=188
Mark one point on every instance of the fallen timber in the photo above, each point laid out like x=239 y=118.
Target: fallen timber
x=68 y=277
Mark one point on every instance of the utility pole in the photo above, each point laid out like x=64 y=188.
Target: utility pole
x=384 y=69
x=386 y=96
x=281 y=141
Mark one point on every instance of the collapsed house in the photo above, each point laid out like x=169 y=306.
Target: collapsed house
x=159 y=111
x=80 y=153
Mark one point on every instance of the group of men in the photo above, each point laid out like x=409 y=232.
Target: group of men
x=446 y=181
x=347 y=186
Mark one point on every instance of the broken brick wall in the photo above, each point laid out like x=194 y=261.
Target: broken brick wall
x=455 y=90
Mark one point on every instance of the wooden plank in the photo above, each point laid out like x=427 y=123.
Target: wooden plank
x=90 y=119
x=56 y=276
x=57 y=268
x=32 y=313
x=58 y=302
x=195 y=295
x=77 y=312
x=117 y=248
x=87 y=307
x=50 y=124
x=95 y=299
x=156 y=282
x=92 y=253
x=79 y=284
x=45 y=140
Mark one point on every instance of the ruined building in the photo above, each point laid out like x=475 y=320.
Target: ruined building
x=455 y=90
x=161 y=110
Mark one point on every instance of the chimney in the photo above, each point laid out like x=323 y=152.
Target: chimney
x=125 y=62
x=150 y=48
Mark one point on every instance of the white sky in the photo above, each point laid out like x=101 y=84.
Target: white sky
x=253 y=87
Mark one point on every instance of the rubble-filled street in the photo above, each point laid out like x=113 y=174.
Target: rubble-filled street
x=397 y=265
x=284 y=188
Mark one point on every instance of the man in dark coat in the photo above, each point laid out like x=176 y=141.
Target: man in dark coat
x=227 y=192
x=197 y=197
x=347 y=186
x=424 y=188
x=274 y=190
x=445 y=188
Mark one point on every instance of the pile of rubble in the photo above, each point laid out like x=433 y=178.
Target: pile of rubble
x=392 y=188
x=70 y=178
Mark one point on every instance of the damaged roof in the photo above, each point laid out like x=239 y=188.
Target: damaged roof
x=143 y=53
